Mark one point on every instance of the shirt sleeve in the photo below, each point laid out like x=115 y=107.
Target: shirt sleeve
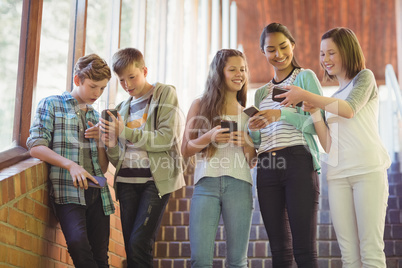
x=364 y=89
x=41 y=130
x=301 y=120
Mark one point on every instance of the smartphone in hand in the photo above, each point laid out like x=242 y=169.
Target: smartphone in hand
x=278 y=91
x=250 y=111
x=101 y=180
x=106 y=116
x=231 y=125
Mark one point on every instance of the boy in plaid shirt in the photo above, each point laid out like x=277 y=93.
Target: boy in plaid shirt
x=65 y=134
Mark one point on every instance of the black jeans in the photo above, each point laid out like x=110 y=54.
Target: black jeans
x=141 y=211
x=288 y=191
x=86 y=230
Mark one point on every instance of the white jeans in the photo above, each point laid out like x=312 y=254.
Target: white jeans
x=358 y=207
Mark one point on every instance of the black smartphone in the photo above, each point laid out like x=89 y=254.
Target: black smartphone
x=250 y=111
x=231 y=125
x=277 y=91
x=101 y=180
x=106 y=116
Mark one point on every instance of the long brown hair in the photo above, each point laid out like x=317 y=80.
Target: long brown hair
x=212 y=102
x=352 y=56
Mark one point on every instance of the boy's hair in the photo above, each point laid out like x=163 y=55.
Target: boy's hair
x=278 y=28
x=126 y=57
x=92 y=67
x=352 y=56
x=214 y=96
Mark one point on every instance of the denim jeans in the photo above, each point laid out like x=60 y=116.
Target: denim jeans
x=141 y=211
x=288 y=191
x=86 y=230
x=212 y=197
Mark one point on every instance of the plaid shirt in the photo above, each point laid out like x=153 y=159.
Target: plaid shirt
x=57 y=125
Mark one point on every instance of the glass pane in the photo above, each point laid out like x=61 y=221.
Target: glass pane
x=10 y=30
x=153 y=44
x=98 y=36
x=98 y=27
x=53 y=54
x=132 y=33
x=127 y=23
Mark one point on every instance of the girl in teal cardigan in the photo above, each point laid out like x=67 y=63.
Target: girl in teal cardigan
x=288 y=162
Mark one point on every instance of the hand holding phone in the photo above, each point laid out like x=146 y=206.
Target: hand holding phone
x=231 y=125
x=250 y=111
x=278 y=91
x=106 y=116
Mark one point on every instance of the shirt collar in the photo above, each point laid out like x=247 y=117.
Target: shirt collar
x=68 y=97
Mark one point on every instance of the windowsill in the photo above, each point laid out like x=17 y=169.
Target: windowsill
x=19 y=167
x=13 y=156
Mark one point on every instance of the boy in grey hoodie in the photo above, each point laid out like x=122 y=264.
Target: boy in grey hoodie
x=143 y=145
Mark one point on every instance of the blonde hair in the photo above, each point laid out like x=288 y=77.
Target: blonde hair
x=92 y=67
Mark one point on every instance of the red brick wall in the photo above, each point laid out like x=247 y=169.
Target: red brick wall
x=30 y=235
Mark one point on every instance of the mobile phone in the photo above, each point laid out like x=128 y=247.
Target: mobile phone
x=277 y=91
x=101 y=180
x=250 y=111
x=106 y=116
x=231 y=125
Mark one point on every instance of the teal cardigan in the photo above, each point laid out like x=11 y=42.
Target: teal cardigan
x=301 y=120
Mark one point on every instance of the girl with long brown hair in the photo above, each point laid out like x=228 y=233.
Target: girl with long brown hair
x=223 y=156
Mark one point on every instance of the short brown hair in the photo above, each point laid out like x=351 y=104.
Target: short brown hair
x=352 y=56
x=125 y=57
x=92 y=67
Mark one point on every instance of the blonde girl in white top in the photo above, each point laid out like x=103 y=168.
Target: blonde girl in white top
x=223 y=183
x=357 y=159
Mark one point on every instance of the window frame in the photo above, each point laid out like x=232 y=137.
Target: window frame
x=29 y=51
x=28 y=59
x=27 y=73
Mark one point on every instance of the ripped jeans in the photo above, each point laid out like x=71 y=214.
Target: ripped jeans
x=141 y=212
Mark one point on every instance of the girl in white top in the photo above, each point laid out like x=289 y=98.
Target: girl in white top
x=223 y=183
x=357 y=160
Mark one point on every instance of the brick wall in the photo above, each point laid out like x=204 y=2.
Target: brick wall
x=30 y=235
x=172 y=248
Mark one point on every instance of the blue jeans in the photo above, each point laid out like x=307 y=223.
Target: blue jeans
x=141 y=211
x=212 y=197
x=288 y=191
x=86 y=230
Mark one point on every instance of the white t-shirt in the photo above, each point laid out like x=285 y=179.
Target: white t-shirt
x=356 y=146
x=228 y=160
x=134 y=157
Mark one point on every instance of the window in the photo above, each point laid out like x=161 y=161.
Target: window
x=10 y=21
x=98 y=38
x=52 y=70
x=174 y=36
x=133 y=14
